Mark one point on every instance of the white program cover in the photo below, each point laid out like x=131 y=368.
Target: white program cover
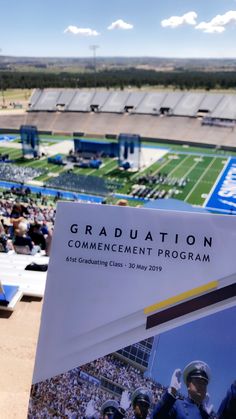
x=121 y=275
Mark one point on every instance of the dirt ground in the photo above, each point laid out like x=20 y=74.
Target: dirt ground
x=19 y=334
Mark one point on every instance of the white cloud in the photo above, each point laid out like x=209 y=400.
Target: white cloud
x=81 y=31
x=207 y=27
x=218 y=23
x=228 y=17
x=175 y=21
x=120 y=24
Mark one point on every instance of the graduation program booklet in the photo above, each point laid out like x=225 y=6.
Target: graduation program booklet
x=118 y=277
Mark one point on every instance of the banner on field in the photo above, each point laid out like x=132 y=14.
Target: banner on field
x=118 y=275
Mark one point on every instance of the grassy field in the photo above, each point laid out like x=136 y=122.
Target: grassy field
x=15 y=95
x=198 y=169
x=13 y=98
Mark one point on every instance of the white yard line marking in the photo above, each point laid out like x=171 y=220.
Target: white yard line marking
x=190 y=169
x=199 y=180
x=178 y=165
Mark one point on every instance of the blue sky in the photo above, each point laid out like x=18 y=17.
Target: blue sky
x=211 y=339
x=170 y=28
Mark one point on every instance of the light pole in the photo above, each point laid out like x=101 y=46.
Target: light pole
x=94 y=48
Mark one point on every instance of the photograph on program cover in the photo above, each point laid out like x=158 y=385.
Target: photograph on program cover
x=120 y=275
x=142 y=371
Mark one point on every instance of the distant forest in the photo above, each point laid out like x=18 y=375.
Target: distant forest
x=119 y=78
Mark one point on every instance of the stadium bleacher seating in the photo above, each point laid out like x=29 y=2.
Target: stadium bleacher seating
x=179 y=103
x=22 y=250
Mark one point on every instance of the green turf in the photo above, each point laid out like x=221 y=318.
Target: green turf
x=199 y=166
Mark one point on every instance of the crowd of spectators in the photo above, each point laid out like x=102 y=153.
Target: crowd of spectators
x=116 y=370
x=67 y=395
x=28 y=226
x=23 y=214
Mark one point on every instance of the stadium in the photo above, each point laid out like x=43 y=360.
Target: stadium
x=184 y=144
x=103 y=146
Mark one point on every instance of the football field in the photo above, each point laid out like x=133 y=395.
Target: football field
x=187 y=173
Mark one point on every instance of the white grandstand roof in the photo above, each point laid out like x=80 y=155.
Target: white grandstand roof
x=151 y=103
x=81 y=101
x=189 y=104
x=115 y=102
x=47 y=101
x=226 y=108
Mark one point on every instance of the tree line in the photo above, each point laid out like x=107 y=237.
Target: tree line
x=119 y=78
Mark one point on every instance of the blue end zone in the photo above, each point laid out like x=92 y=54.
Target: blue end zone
x=223 y=196
x=10 y=292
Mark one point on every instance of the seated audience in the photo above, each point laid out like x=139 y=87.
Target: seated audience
x=37 y=236
x=5 y=243
x=22 y=239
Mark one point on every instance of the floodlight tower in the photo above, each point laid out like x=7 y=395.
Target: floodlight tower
x=94 y=48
